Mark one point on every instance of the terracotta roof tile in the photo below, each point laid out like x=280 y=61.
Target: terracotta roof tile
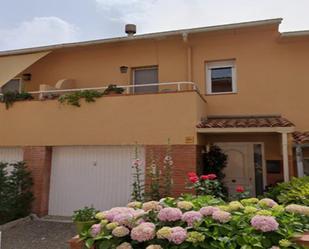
x=301 y=137
x=244 y=122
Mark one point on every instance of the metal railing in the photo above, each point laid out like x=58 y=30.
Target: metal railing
x=128 y=89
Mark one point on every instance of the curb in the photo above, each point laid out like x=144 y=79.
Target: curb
x=14 y=223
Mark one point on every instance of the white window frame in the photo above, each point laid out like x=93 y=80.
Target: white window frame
x=220 y=64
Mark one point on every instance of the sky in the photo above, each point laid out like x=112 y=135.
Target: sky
x=31 y=23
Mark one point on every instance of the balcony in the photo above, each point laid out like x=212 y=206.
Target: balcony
x=126 y=118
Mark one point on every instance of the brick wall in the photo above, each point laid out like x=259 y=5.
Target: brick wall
x=38 y=160
x=186 y=158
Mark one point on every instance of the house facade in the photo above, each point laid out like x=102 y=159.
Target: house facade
x=242 y=87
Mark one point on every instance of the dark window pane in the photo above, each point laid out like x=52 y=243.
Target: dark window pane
x=146 y=76
x=11 y=86
x=273 y=166
x=306 y=167
x=221 y=80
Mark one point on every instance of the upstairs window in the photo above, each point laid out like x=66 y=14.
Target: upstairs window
x=146 y=76
x=221 y=77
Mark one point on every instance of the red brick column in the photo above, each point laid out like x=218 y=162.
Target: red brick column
x=38 y=160
x=186 y=158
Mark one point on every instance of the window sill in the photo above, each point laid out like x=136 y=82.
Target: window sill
x=216 y=94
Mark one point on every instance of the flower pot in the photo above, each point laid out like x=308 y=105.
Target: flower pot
x=83 y=225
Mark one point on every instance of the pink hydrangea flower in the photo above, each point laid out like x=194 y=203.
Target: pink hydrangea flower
x=221 y=216
x=123 y=219
x=122 y=213
x=264 y=223
x=191 y=217
x=208 y=211
x=267 y=202
x=170 y=214
x=143 y=232
x=178 y=235
x=95 y=230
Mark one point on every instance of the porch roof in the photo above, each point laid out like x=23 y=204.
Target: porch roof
x=246 y=123
x=301 y=137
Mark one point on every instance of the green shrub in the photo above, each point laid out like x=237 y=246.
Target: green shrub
x=84 y=214
x=15 y=191
x=214 y=162
x=75 y=97
x=296 y=191
x=10 y=97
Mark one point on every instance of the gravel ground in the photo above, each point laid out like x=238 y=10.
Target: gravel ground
x=38 y=235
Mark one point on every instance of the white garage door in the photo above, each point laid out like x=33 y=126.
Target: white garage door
x=11 y=154
x=100 y=176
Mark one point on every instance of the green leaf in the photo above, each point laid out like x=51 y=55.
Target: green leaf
x=89 y=243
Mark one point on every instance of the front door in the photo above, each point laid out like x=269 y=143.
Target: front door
x=240 y=166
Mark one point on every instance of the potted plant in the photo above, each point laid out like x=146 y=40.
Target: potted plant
x=113 y=89
x=84 y=218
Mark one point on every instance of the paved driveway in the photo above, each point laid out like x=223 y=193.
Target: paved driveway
x=38 y=235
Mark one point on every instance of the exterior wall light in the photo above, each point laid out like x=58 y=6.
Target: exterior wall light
x=26 y=76
x=123 y=69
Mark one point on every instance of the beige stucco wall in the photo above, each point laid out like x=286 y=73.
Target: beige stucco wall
x=272 y=72
x=149 y=119
x=95 y=66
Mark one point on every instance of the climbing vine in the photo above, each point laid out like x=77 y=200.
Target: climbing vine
x=74 y=98
x=8 y=98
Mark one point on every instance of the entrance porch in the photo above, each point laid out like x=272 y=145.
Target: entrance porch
x=259 y=149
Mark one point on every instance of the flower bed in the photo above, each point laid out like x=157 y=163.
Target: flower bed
x=202 y=222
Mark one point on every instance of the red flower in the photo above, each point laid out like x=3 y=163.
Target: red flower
x=204 y=177
x=240 y=189
x=193 y=179
x=212 y=176
x=192 y=174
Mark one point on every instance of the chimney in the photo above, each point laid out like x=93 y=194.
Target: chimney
x=130 y=30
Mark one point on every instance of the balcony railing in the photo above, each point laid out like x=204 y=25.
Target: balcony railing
x=128 y=89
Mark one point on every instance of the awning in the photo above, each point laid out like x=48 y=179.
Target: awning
x=11 y=66
x=246 y=123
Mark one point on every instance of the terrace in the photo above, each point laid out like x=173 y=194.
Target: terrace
x=116 y=118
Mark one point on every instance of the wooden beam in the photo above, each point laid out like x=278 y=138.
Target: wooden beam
x=247 y=130
x=285 y=156
x=292 y=172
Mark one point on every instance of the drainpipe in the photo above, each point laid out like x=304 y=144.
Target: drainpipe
x=189 y=56
x=299 y=159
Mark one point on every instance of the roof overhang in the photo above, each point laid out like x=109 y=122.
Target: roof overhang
x=294 y=34
x=158 y=35
x=11 y=66
x=247 y=130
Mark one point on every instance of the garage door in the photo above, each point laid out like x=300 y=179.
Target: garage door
x=100 y=176
x=11 y=154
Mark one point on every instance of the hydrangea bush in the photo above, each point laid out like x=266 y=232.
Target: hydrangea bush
x=198 y=222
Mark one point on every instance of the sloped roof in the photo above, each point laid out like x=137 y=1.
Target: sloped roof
x=244 y=122
x=275 y=21
x=301 y=137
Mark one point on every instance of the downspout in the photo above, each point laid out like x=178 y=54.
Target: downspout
x=189 y=57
